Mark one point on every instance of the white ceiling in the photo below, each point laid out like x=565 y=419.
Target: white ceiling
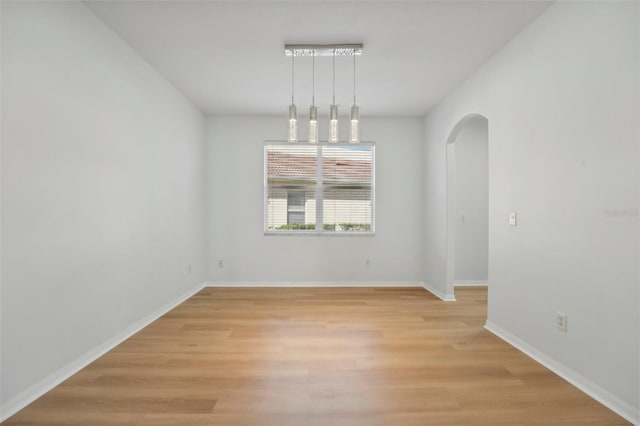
x=228 y=57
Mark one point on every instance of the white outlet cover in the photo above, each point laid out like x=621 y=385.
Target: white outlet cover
x=513 y=218
x=561 y=321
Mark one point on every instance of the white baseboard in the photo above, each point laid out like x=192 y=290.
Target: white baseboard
x=429 y=288
x=314 y=284
x=601 y=395
x=470 y=283
x=433 y=290
x=35 y=391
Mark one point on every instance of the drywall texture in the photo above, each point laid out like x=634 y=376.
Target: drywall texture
x=235 y=210
x=562 y=103
x=471 y=187
x=102 y=190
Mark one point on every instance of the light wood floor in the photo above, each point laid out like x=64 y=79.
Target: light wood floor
x=311 y=357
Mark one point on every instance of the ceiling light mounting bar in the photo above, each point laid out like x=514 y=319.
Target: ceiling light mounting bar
x=340 y=49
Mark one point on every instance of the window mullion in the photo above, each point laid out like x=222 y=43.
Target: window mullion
x=319 y=191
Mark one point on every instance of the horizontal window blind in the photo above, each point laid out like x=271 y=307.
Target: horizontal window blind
x=323 y=188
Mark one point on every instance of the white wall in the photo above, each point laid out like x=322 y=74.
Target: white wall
x=562 y=103
x=234 y=163
x=102 y=192
x=471 y=168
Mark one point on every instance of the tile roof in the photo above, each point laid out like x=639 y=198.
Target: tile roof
x=288 y=165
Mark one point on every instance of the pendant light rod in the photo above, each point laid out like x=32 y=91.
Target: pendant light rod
x=293 y=114
x=334 y=77
x=313 y=110
x=333 y=108
x=354 y=79
x=313 y=79
x=293 y=77
x=354 y=125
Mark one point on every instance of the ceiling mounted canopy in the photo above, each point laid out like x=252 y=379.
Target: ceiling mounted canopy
x=341 y=49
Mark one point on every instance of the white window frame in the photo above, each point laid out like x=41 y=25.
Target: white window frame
x=319 y=192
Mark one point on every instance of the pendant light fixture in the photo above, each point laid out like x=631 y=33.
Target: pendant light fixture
x=354 y=136
x=313 y=110
x=333 y=109
x=293 y=115
x=333 y=50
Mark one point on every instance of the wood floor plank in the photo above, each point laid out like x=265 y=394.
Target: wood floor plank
x=317 y=357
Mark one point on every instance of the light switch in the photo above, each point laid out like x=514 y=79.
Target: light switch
x=513 y=218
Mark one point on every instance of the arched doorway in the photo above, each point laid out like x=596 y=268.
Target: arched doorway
x=468 y=203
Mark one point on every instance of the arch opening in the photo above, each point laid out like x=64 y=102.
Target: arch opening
x=467 y=156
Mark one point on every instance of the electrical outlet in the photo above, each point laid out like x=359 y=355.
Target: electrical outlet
x=513 y=218
x=220 y=263
x=561 y=321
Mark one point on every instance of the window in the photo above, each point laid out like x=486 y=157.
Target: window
x=324 y=188
x=295 y=207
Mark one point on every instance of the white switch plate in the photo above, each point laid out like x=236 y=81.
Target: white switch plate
x=513 y=218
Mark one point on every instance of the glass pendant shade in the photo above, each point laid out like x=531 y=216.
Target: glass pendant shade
x=354 y=134
x=313 y=124
x=293 y=124
x=333 y=124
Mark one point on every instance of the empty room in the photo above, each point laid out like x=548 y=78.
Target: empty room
x=314 y=213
